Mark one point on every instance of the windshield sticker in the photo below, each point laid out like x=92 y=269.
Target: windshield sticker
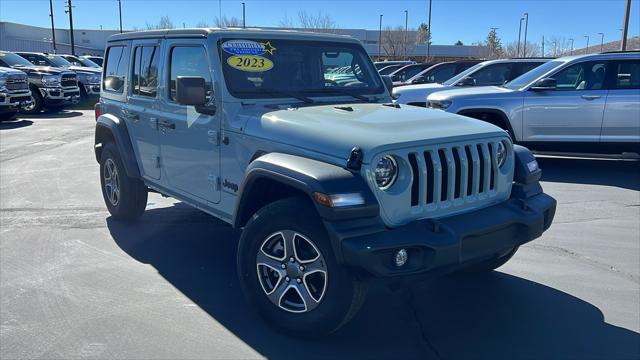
x=250 y=63
x=247 y=47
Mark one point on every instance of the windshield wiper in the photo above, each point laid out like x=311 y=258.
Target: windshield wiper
x=344 y=92
x=279 y=92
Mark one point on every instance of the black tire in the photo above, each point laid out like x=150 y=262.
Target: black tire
x=7 y=115
x=131 y=200
x=343 y=292
x=491 y=264
x=38 y=103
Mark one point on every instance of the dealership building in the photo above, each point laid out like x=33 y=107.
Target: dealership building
x=19 y=37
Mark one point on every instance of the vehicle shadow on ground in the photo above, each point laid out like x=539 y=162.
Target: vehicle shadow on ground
x=52 y=114
x=15 y=124
x=494 y=316
x=620 y=173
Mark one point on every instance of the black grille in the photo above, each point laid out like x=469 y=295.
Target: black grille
x=69 y=80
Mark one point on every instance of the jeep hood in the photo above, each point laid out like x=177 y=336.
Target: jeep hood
x=469 y=92
x=336 y=129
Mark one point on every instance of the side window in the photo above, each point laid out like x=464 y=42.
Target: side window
x=441 y=74
x=115 y=70
x=627 y=75
x=525 y=68
x=496 y=74
x=189 y=61
x=583 y=76
x=144 y=81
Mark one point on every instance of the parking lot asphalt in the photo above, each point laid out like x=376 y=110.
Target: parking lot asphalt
x=74 y=283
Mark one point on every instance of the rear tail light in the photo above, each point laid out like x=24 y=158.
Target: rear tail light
x=97 y=111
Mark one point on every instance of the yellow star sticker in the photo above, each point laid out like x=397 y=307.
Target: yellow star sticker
x=268 y=47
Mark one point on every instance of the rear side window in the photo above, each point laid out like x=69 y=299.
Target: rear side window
x=115 y=70
x=525 y=68
x=189 y=61
x=627 y=75
x=441 y=74
x=145 y=71
x=496 y=74
x=587 y=75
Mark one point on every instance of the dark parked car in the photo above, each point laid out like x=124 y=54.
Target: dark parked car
x=88 y=77
x=390 y=69
x=438 y=73
x=80 y=61
x=96 y=59
x=382 y=64
x=409 y=71
x=50 y=86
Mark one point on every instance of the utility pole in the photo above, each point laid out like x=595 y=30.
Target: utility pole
x=601 y=40
x=571 y=53
x=519 y=32
x=120 y=13
x=380 y=39
x=555 y=49
x=625 y=27
x=244 y=23
x=70 y=11
x=406 y=28
x=586 y=50
x=542 y=45
x=53 y=28
x=429 y=35
x=526 y=27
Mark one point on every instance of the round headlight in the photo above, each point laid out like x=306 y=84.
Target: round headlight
x=501 y=153
x=386 y=172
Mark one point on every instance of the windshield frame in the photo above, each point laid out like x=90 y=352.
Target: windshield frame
x=19 y=58
x=530 y=77
x=377 y=90
x=58 y=61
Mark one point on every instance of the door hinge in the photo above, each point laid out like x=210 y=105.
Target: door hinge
x=215 y=181
x=157 y=161
x=214 y=137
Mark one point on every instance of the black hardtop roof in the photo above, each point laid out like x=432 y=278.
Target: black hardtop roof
x=205 y=32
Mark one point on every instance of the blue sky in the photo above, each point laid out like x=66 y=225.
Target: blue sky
x=466 y=20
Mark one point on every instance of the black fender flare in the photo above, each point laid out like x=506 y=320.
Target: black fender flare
x=307 y=176
x=110 y=128
x=496 y=112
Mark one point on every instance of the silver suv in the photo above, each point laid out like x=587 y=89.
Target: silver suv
x=580 y=103
x=332 y=185
x=492 y=72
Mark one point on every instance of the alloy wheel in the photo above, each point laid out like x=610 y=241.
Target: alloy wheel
x=111 y=182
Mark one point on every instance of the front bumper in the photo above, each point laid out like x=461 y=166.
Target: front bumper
x=69 y=94
x=448 y=244
x=13 y=100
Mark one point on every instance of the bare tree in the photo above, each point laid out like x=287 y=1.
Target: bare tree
x=225 y=22
x=164 y=23
x=393 y=42
x=309 y=21
x=202 y=24
x=557 y=46
x=424 y=35
x=286 y=22
x=511 y=49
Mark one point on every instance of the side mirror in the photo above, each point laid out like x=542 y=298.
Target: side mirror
x=418 y=80
x=544 y=84
x=190 y=90
x=467 y=81
x=388 y=83
x=113 y=83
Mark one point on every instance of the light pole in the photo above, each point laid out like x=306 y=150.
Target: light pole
x=406 y=28
x=429 y=35
x=380 y=39
x=601 y=40
x=244 y=24
x=53 y=28
x=625 y=26
x=555 y=48
x=120 y=13
x=526 y=27
x=519 y=32
x=70 y=12
x=586 y=50
x=571 y=51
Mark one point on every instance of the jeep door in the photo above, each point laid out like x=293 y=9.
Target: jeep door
x=622 y=111
x=190 y=140
x=573 y=111
x=141 y=112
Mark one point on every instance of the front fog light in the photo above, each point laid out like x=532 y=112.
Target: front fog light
x=386 y=172
x=401 y=257
x=501 y=154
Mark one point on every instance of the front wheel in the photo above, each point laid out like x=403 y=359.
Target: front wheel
x=37 y=103
x=289 y=274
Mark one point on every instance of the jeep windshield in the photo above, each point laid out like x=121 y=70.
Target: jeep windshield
x=258 y=68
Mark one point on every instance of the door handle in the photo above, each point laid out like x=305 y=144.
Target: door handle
x=167 y=124
x=590 y=97
x=131 y=115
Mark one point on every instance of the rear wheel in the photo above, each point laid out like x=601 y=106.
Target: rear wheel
x=125 y=197
x=289 y=274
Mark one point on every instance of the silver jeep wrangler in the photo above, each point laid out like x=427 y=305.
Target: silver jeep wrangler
x=333 y=185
